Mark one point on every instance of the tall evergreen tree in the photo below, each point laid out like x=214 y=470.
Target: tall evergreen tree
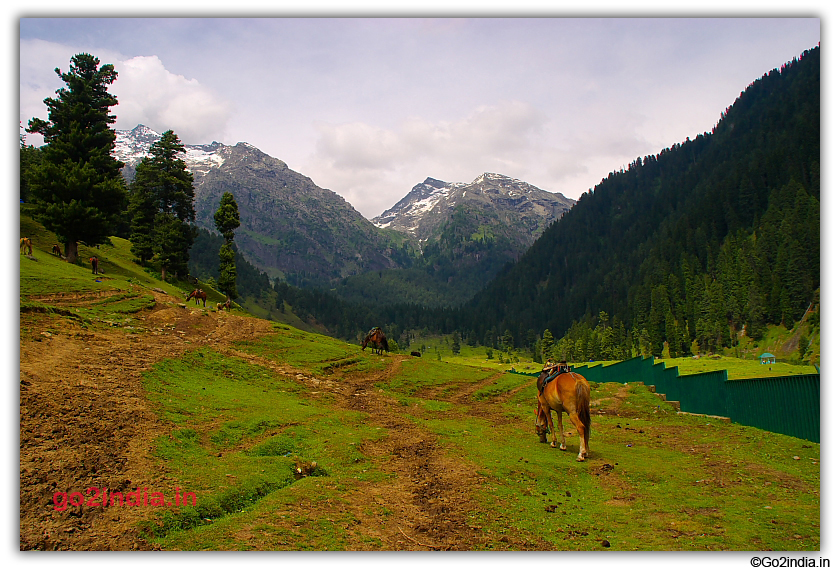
x=227 y=220
x=142 y=211
x=77 y=188
x=162 y=209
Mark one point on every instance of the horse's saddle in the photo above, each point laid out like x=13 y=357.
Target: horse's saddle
x=551 y=376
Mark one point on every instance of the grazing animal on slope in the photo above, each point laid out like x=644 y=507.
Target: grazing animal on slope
x=376 y=338
x=563 y=391
x=26 y=245
x=197 y=294
x=57 y=250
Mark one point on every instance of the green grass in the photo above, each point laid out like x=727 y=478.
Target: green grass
x=416 y=375
x=238 y=433
x=746 y=494
x=738 y=368
x=49 y=275
x=736 y=488
x=315 y=353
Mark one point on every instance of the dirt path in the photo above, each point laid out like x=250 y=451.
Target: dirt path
x=431 y=492
x=85 y=423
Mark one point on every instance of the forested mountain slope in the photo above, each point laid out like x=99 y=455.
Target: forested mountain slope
x=466 y=233
x=708 y=237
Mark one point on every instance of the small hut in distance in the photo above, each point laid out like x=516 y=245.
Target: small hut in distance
x=767 y=358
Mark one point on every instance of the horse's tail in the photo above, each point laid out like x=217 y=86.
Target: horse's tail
x=582 y=403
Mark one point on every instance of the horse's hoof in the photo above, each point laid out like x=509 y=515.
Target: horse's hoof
x=563 y=447
x=553 y=444
x=579 y=458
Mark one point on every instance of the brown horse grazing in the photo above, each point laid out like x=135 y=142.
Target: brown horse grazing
x=222 y=306
x=376 y=339
x=57 y=250
x=26 y=245
x=197 y=294
x=569 y=392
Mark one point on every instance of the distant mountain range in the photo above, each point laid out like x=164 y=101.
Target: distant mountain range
x=307 y=235
x=515 y=204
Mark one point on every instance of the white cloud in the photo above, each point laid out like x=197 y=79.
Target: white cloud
x=161 y=100
x=147 y=92
x=368 y=164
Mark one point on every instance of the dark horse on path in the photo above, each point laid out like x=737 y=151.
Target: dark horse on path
x=197 y=294
x=376 y=339
x=563 y=391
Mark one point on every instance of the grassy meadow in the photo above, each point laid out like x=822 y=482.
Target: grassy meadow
x=237 y=438
x=268 y=434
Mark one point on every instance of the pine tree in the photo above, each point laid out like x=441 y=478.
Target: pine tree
x=547 y=344
x=142 y=211
x=227 y=220
x=77 y=188
x=162 y=207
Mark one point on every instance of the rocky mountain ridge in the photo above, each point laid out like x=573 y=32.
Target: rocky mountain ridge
x=431 y=203
x=290 y=227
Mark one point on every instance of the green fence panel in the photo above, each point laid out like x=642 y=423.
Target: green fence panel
x=788 y=405
x=785 y=404
x=704 y=393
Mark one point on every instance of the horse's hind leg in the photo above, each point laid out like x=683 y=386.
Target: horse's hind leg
x=584 y=444
x=560 y=427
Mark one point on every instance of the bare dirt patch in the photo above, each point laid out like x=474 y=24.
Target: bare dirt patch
x=85 y=422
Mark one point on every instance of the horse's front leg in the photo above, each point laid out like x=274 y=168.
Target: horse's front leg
x=551 y=426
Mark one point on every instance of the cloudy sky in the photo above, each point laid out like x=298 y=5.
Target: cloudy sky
x=369 y=107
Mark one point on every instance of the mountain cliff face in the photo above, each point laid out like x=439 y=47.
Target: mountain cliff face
x=289 y=226
x=504 y=205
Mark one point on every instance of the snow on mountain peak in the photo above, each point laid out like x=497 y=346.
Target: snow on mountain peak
x=133 y=146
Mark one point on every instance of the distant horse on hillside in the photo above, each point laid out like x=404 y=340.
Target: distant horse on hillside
x=563 y=391
x=376 y=339
x=197 y=294
x=222 y=306
x=56 y=249
x=26 y=245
